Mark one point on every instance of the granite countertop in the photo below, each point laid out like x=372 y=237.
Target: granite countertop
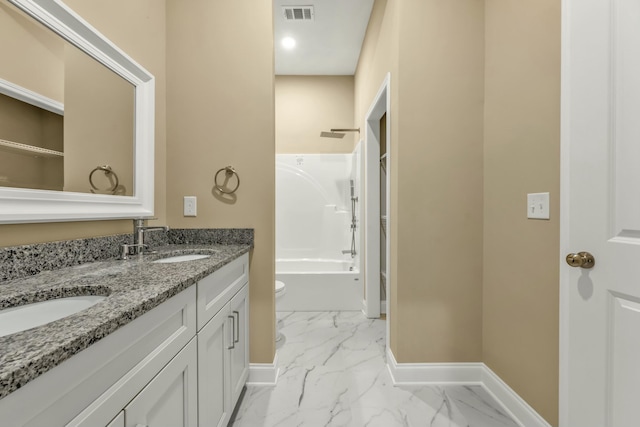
x=134 y=287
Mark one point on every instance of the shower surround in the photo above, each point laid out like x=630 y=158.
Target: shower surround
x=317 y=250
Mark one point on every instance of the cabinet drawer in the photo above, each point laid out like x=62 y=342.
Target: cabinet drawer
x=215 y=290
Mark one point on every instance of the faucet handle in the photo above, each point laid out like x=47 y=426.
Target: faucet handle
x=124 y=251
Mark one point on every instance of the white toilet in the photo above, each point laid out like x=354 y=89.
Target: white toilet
x=280 y=290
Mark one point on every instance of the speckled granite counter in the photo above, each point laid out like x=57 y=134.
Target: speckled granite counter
x=133 y=287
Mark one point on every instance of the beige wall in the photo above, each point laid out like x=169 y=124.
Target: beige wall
x=307 y=105
x=434 y=51
x=461 y=166
x=141 y=33
x=98 y=126
x=439 y=195
x=436 y=137
x=27 y=124
x=32 y=55
x=378 y=57
x=522 y=154
x=221 y=112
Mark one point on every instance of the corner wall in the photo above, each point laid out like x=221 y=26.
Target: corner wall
x=221 y=112
x=434 y=52
x=379 y=56
x=475 y=92
x=522 y=155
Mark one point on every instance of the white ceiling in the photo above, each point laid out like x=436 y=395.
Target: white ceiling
x=328 y=45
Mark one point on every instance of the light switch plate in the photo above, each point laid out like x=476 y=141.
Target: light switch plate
x=538 y=205
x=190 y=205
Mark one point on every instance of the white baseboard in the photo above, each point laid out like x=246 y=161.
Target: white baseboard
x=512 y=402
x=469 y=374
x=383 y=307
x=429 y=373
x=264 y=374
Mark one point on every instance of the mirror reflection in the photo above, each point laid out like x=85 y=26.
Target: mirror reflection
x=66 y=121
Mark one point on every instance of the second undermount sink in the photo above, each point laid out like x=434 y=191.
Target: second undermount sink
x=21 y=318
x=181 y=258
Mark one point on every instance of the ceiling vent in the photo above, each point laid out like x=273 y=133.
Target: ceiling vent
x=298 y=13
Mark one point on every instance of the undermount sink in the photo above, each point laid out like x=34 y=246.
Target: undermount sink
x=181 y=258
x=17 y=319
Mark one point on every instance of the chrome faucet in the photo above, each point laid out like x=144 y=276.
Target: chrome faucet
x=139 y=230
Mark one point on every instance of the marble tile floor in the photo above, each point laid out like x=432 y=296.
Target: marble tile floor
x=333 y=373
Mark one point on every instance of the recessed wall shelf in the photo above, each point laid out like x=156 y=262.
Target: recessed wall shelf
x=16 y=147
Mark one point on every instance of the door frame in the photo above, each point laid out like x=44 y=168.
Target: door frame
x=568 y=50
x=381 y=104
x=565 y=191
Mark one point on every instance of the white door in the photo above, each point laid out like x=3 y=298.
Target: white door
x=600 y=307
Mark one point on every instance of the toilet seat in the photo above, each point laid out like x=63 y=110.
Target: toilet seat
x=280 y=288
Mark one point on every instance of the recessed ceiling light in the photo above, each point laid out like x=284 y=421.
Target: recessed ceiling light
x=288 y=43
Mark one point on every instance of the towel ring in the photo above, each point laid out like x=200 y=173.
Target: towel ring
x=107 y=171
x=228 y=172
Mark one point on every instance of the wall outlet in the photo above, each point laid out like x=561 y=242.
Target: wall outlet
x=538 y=205
x=190 y=205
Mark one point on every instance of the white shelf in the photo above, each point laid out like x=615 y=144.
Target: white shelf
x=16 y=147
x=30 y=97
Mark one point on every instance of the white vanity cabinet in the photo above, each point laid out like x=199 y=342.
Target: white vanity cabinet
x=223 y=346
x=183 y=363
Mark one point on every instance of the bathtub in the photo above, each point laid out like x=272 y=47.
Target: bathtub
x=319 y=285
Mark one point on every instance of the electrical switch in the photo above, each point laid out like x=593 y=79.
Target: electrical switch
x=538 y=205
x=190 y=205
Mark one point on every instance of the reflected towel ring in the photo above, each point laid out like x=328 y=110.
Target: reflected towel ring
x=107 y=171
x=228 y=171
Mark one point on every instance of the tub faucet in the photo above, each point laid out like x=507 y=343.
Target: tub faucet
x=139 y=230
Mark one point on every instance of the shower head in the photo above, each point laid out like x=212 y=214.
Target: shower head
x=337 y=133
x=331 y=135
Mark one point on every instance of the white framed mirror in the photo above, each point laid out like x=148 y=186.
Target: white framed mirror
x=24 y=205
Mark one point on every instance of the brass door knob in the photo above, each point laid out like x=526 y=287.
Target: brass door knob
x=581 y=259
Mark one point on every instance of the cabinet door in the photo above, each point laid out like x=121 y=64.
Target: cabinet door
x=215 y=290
x=170 y=399
x=214 y=398
x=239 y=309
x=118 y=421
